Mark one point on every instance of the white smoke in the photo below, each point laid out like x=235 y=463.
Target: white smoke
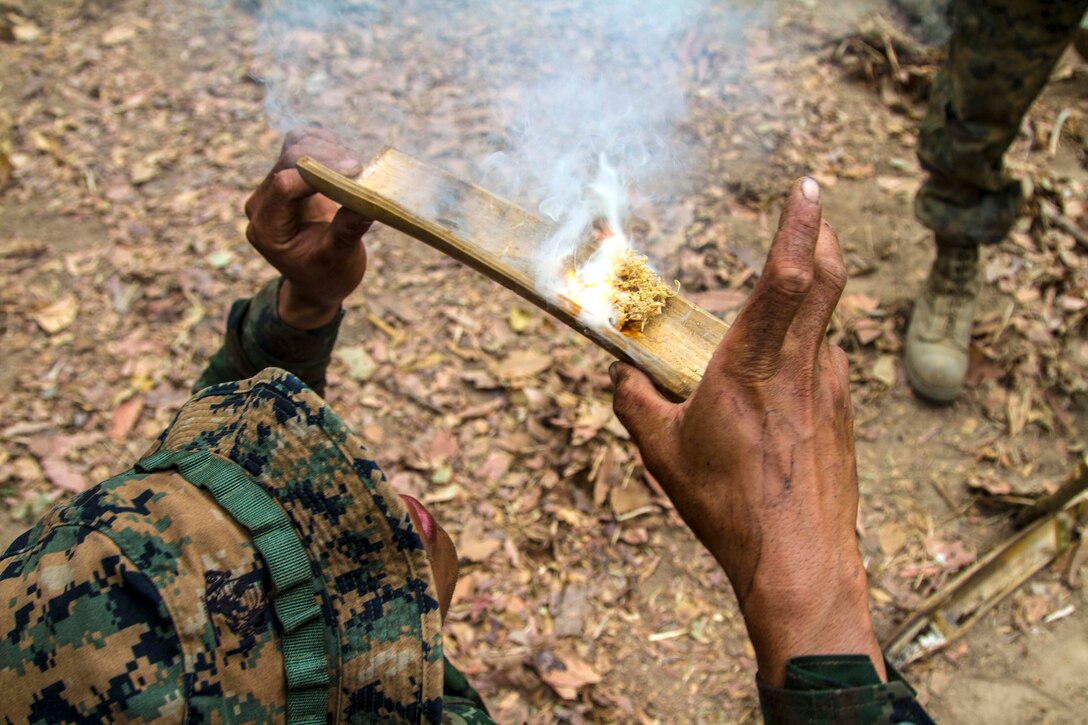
x=562 y=105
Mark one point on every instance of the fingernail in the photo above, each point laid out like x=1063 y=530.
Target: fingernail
x=614 y=372
x=348 y=165
x=810 y=189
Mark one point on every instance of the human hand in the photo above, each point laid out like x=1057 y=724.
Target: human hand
x=759 y=461
x=315 y=244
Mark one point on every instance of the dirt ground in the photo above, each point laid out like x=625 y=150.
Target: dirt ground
x=130 y=135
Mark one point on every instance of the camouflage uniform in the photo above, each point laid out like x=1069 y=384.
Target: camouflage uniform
x=1000 y=56
x=255 y=566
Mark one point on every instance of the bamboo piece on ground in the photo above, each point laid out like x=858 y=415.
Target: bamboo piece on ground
x=504 y=241
x=949 y=613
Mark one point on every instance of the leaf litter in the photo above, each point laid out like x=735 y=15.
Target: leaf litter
x=122 y=233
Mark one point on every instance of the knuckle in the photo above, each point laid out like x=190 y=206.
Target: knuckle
x=292 y=155
x=294 y=136
x=839 y=379
x=839 y=360
x=281 y=184
x=834 y=271
x=795 y=228
x=790 y=280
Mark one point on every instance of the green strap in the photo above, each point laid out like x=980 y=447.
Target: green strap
x=305 y=657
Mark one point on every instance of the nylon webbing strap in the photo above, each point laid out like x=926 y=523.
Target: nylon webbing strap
x=305 y=658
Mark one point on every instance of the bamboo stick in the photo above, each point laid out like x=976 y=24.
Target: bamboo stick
x=503 y=241
x=949 y=613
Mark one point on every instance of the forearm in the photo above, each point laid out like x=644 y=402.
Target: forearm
x=257 y=338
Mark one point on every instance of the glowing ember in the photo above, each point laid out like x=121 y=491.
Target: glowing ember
x=609 y=281
x=617 y=285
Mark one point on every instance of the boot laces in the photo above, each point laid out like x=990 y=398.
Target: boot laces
x=954 y=282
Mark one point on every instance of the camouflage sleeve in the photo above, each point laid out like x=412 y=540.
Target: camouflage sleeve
x=827 y=689
x=461 y=704
x=257 y=338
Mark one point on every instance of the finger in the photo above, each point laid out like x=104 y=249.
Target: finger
x=640 y=408
x=274 y=209
x=829 y=279
x=318 y=208
x=348 y=228
x=295 y=135
x=330 y=154
x=840 y=363
x=787 y=276
x=835 y=374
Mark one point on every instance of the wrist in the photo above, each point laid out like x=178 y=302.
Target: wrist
x=301 y=312
x=826 y=617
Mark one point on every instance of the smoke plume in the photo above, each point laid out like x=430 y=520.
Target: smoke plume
x=563 y=105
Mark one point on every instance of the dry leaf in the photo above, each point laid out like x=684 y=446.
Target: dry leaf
x=25 y=31
x=118 y=35
x=892 y=538
x=7 y=169
x=1017 y=408
x=592 y=416
x=125 y=417
x=361 y=367
x=475 y=545
x=59 y=315
x=859 y=304
x=143 y=171
x=858 y=171
x=573 y=609
x=442 y=447
x=521 y=364
x=885 y=370
x=867 y=330
x=632 y=497
x=566 y=674
x=62 y=475
x=898 y=186
x=519 y=319
x=950 y=555
x=495 y=467
x=719 y=300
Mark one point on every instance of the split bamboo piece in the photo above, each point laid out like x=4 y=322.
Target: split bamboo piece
x=949 y=613
x=502 y=240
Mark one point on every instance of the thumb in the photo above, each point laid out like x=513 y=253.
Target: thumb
x=348 y=227
x=641 y=409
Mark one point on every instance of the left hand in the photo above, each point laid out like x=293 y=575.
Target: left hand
x=314 y=243
x=760 y=462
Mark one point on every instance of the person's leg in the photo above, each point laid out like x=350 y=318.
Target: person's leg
x=1080 y=42
x=1000 y=56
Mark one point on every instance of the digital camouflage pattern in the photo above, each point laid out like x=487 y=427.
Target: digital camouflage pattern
x=833 y=689
x=999 y=58
x=141 y=596
x=256 y=338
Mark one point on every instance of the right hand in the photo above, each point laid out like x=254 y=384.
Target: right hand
x=759 y=461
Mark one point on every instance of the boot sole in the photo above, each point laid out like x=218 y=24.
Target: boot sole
x=932 y=393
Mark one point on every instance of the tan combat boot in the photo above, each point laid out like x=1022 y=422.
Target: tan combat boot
x=939 y=335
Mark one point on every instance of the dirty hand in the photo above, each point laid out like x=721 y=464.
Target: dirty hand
x=759 y=461
x=315 y=244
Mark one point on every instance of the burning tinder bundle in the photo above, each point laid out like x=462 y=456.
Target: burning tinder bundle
x=627 y=290
x=639 y=294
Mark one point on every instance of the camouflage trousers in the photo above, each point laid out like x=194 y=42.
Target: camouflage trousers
x=999 y=58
